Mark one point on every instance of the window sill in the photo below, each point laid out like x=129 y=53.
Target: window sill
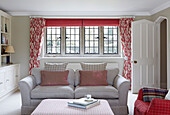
x=83 y=59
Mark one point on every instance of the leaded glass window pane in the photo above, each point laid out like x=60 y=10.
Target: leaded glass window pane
x=110 y=43
x=91 y=40
x=72 y=40
x=53 y=41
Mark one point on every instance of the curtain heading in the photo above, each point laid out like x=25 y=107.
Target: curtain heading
x=81 y=22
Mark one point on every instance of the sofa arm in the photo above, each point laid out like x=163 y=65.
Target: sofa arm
x=122 y=86
x=159 y=107
x=26 y=85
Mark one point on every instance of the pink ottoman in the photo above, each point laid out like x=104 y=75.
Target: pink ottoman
x=60 y=107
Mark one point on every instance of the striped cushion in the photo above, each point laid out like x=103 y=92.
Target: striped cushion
x=55 y=66
x=150 y=93
x=93 y=66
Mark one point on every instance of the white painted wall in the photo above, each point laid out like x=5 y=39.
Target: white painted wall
x=20 y=37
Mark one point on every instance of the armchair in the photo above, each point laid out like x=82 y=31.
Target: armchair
x=155 y=107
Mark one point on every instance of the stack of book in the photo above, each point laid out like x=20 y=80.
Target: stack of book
x=84 y=103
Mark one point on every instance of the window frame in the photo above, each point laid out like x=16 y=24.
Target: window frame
x=51 y=42
x=112 y=40
x=89 y=47
x=82 y=43
x=65 y=42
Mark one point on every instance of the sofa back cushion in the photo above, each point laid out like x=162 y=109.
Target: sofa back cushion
x=54 y=78
x=93 y=78
x=36 y=72
x=55 y=66
x=150 y=93
x=111 y=74
x=93 y=66
x=77 y=77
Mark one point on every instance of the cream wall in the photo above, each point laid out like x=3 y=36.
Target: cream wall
x=165 y=13
x=21 y=33
x=20 y=40
x=143 y=17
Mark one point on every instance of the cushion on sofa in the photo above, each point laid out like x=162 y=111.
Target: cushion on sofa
x=93 y=78
x=55 y=66
x=93 y=66
x=36 y=72
x=52 y=92
x=53 y=78
x=150 y=93
x=111 y=74
x=71 y=77
x=77 y=77
x=105 y=92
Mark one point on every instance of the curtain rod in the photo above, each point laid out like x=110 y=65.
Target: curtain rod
x=83 y=17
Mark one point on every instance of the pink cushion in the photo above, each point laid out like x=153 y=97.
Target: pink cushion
x=51 y=78
x=93 y=78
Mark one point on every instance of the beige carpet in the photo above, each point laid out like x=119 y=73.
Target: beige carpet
x=12 y=104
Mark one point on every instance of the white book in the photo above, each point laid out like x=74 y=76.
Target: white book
x=85 y=101
x=71 y=104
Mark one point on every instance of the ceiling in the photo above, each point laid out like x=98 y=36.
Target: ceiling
x=83 y=7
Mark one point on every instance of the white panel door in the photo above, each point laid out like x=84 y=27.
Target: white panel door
x=144 y=55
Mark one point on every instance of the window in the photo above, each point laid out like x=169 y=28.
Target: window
x=110 y=40
x=91 y=40
x=53 y=42
x=82 y=41
x=72 y=40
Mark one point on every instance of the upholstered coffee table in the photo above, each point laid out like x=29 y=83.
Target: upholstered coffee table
x=60 y=107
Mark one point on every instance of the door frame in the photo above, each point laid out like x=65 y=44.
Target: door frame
x=157 y=27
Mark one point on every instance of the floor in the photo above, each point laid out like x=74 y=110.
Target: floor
x=11 y=105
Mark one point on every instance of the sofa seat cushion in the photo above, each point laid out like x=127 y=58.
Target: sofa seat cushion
x=43 y=92
x=105 y=92
x=141 y=106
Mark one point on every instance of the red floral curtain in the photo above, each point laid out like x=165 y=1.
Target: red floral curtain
x=125 y=35
x=36 y=34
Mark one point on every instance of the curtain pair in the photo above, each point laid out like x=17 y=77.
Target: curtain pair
x=37 y=33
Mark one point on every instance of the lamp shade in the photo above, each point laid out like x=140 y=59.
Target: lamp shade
x=10 y=49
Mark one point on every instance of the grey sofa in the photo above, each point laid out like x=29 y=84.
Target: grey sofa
x=115 y=93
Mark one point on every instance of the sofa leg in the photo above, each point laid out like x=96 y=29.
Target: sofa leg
x=120 y=110
x=27 y=110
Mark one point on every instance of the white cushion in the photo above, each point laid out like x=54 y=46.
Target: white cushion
x=168 y=95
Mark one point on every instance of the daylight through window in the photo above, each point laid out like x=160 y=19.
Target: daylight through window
x=82 y=41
